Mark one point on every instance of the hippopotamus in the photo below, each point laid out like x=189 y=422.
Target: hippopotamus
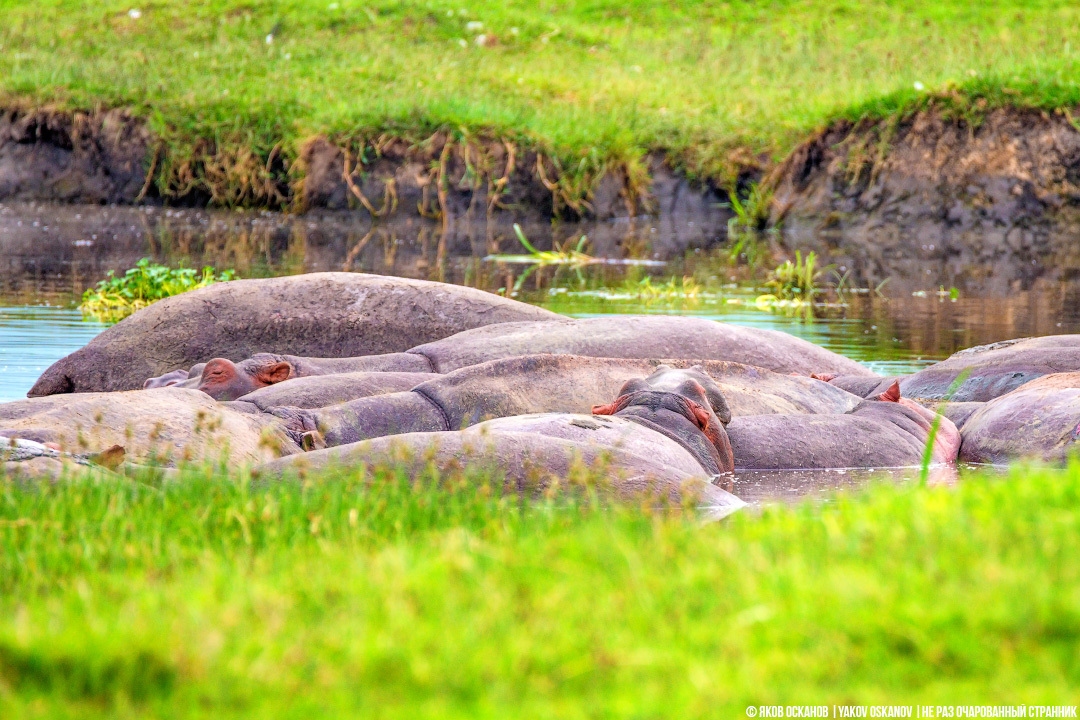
x=887 y=431
x=222 y=379
x=29 y=459
x=619 y=336
x=316 y=314
x=164 y=425
x=661 y=436
x=990 y=370
x=324 y=390
x=176 y=377
x=546 y=383
x=1038 y=420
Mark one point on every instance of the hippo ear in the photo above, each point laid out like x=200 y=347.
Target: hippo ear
x=274 y=373
x=701 y=415
x=892 y=394
x=608 y=409
x=824 y=377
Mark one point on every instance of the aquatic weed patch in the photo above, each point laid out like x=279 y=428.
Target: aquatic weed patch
x=114 y=298
x=399 y=597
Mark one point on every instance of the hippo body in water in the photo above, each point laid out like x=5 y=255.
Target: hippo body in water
x=166 y=424
x=888 y=431
x=661 y=437
x=1040 y=420
x=992 y=370
x=317 y=314
x=630 y=337
x=546 y=383
x=226 y=380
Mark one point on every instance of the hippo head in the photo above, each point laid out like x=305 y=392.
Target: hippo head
x=946 y=437
x=223 y=379
x=167 y=380
x=685 y=405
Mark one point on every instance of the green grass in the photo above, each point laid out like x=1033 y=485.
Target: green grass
x=712 y=84
x=380 y=599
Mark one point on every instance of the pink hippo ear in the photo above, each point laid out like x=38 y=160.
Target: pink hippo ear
x=275 y=373
x=608 y=409
x=823 y=377
x=892 y=394
x=701 y=416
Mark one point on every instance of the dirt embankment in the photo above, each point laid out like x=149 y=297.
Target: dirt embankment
x=928 y=196
x=994 y=202
x=111 y=157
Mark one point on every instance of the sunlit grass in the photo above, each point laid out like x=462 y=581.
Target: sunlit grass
x=389 y=597
x=591 y=82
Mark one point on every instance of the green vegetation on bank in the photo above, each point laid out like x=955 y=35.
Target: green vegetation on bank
x=115 y=298
x=712 y=84
x=384 y=598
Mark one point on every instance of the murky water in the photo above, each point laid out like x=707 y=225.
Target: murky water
x=50 y=254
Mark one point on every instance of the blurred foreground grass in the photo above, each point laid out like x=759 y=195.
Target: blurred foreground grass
x=385 y=598
x=591 y=81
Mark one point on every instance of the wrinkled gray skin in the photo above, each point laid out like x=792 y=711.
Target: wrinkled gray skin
x=876 y=433
x=556 y=383
x=1039 y=420
x=624 y=336
x=303 y=367
x=654 y=445
x=316 y=314
x=993 y=370
x=325 y=390
x=167 y=424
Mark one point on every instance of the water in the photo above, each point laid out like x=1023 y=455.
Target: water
x=34 y=337
x=50 y=254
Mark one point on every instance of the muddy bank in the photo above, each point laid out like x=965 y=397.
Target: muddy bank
x=924 y=200
x=111 y=157
x=993 y=206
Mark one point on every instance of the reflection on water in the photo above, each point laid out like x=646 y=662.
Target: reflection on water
x=51 y=253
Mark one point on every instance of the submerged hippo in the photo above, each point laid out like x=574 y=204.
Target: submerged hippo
x=32 y=460
x=660 y=437
x=317 y=314
x=642 y=337
x=167 y=424
x=223 y=379
x=1040 y=420
x=537 y=383
x=887 y=431
x=991 y=370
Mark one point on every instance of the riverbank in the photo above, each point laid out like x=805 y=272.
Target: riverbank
x=887 y=138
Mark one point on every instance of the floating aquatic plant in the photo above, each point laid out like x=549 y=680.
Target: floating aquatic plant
x=796 y=280
x=563 y=255
x=115 y=298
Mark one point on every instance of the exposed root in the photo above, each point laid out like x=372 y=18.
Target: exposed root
x=389 y=191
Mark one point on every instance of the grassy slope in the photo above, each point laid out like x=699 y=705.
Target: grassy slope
x=603 y=80
x=204 y=598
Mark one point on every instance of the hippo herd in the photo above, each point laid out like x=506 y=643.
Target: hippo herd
x=288 y=374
